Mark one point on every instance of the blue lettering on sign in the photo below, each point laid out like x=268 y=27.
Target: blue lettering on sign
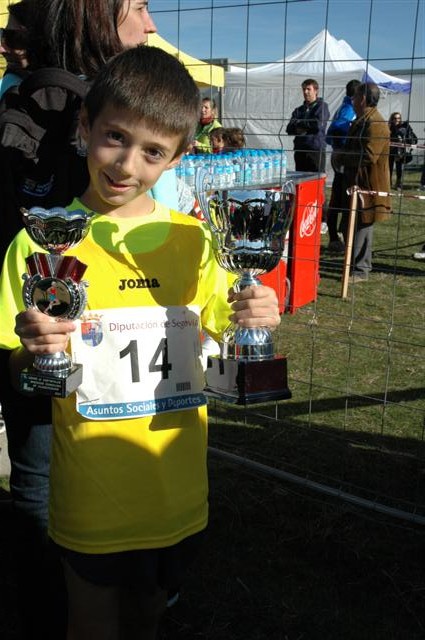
x=140 y=408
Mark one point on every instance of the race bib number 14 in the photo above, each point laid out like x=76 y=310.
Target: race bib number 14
x=138 y=362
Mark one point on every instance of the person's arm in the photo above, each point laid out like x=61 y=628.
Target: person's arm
x=252 y=307
x=39 y=334
x=317 y=120
x=349 y=156
x=411 y=137
x=322 y=116
x=292 y=127
x=338 y=129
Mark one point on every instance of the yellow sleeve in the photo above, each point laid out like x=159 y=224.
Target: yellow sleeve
x=215 y=283
x=11 y=302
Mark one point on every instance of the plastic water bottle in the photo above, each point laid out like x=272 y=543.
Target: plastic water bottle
x=228 y=170
x=270 y=168
x=261 y=171
x=246 y=169
x=190 y=172
x=218 y=176
x=238 y=170
x=253 y=163
x=268 y=171
x=275 y=165
x=284 y=161
x=179 y=169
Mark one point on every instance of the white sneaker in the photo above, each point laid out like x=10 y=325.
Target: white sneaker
x=323 y=228
x=420 y=255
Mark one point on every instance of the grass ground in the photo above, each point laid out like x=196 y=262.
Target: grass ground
x=282 y=562
x=281 y=566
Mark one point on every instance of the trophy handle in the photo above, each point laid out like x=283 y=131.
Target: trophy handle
x=203 y=184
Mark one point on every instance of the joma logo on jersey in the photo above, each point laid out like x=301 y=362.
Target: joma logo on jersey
x=139 y=283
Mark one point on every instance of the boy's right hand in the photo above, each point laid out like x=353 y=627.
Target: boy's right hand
x=40 y=334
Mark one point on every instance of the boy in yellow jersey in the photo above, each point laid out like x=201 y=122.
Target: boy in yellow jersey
x=129 y=487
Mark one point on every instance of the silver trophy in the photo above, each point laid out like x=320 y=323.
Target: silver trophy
x=249 y=228
x=53 y=284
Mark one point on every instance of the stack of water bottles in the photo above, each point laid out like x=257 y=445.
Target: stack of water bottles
x=236 y=169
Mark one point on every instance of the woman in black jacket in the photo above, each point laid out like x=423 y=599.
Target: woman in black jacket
x=402 y=137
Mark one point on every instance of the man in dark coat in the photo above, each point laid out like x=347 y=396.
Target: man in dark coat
x=308 y=124
x=365 y=160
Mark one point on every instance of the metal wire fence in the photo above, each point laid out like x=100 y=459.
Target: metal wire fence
x=354 y=428
x=344 y=433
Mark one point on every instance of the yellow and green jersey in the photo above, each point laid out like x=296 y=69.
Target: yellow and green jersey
x=120 y=482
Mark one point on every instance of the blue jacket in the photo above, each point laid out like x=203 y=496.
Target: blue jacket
x=9 y=80
x=338 y=129
x=308 y=125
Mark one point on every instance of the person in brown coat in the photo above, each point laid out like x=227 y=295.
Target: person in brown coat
x=365 y=161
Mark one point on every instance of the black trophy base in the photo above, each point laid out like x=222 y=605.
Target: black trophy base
x=240 y=382
x=34 y=381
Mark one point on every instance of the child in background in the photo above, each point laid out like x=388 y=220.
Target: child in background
x=217 y=140
x=129 y=484
x=234 y=138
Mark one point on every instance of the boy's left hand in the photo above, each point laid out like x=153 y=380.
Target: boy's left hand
x=255 y=307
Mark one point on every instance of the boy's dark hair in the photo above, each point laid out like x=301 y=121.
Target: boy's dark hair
x=310 y=81
x=234 y=138
x=153 y=86
x=217 y=132
x=371 y=91
x=350 y=87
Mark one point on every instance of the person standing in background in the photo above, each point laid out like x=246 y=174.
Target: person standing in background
x=217 y=140
x=402 y=137
x=365 y=161
x=13 y=47
x=336 y=137
x=308 y=124
x=207 y=123
x=234 y=138
x=80 y=36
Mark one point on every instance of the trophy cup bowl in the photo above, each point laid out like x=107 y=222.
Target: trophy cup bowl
x=53 y=286
x=249 y=228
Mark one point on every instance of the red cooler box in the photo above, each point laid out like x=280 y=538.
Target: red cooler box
x=304 y=239
x=296 y=278
x=277 y=279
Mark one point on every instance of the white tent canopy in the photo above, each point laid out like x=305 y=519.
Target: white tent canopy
x=261 y=99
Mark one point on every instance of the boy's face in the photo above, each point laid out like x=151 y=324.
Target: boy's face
x=125 y=158
x=217 y=142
